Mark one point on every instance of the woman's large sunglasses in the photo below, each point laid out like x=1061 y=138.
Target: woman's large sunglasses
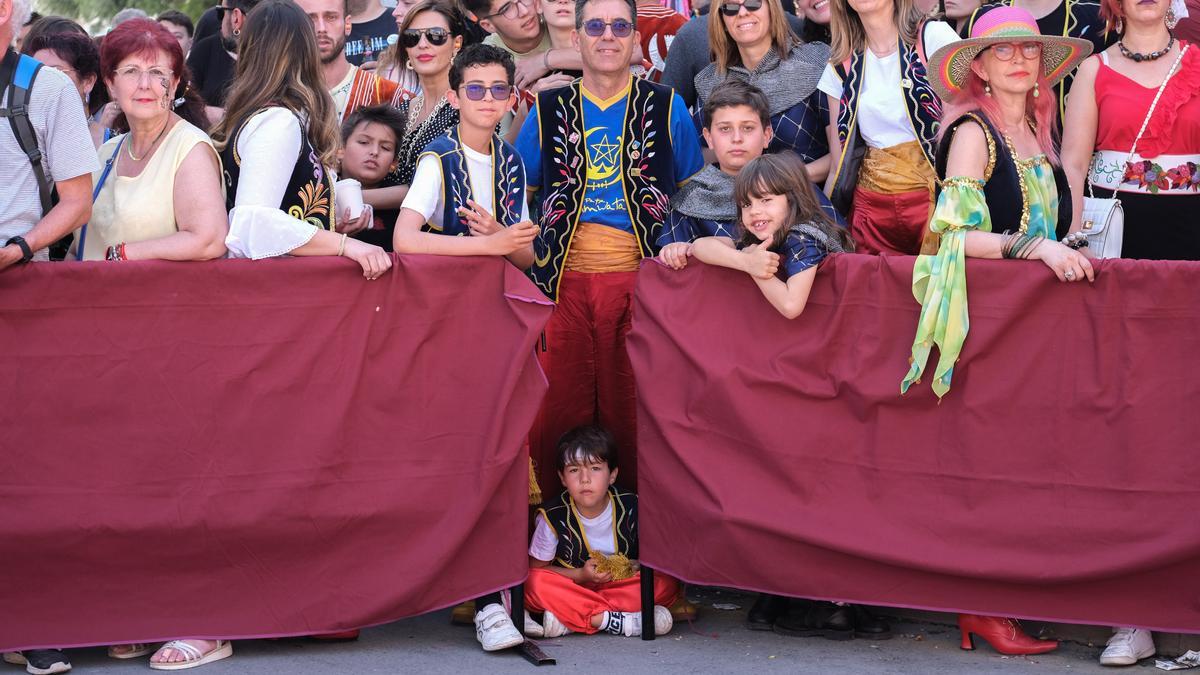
x=436 y=36
x=732 y=8
x=620 y=27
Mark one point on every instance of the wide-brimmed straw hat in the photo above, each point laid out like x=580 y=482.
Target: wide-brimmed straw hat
x=949 y=66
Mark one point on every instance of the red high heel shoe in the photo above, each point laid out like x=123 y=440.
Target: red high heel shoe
x=1004 y=635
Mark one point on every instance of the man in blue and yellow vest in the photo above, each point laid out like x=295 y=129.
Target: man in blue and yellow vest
x=602 y=156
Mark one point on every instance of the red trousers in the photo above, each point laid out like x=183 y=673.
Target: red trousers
x=591 y=380
x=891 y=224
x=575 y=604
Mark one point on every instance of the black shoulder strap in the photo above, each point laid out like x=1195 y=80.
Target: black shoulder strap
x=16 y=76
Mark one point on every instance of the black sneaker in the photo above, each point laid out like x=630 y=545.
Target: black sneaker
x=46 y=661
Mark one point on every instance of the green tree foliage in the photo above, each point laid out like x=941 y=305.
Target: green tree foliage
x=96 y=13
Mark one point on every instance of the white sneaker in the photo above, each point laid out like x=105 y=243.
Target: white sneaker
x=495 y=630
x=1127 y=646
x=533 y=628
x=631 y=622
x=552 y=627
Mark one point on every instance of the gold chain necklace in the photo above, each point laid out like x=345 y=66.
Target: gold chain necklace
x=129 y=148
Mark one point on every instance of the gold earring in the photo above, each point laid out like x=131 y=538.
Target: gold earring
x=1036 y=90
x=1172 y=20
x=987 y=89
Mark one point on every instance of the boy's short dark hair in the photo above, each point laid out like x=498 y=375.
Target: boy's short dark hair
x=732 y=93
x=381 y=114
x=481 y=55
x=586 y=444
x=179 y=19
x=480 y=8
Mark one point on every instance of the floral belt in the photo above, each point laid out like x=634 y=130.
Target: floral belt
x=1164 y=174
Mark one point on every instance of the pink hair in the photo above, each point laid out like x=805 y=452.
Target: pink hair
x=1043 y=109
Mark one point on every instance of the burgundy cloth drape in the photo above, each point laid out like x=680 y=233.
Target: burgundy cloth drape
x=1059 y=479
x=237 y=449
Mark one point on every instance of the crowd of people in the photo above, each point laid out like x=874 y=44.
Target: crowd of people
x=577 y=138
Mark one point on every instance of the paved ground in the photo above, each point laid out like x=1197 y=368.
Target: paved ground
x=717 y=643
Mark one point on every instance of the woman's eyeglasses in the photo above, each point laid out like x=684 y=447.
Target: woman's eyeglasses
x=134 y=75
x=476 y=92
x=436 y=36
x=1006 y=51
x=620 y=27
x=732 y=8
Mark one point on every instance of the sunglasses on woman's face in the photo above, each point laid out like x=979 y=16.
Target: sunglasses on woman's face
x=1006 y=51
x=436 y=36
x=476 y=92
x=620 y=27
x=732 y=8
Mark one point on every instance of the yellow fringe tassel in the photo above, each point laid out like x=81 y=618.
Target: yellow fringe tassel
x=535 y=492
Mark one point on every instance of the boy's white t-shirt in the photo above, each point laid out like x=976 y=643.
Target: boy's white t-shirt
x=598 y=530
x=425 y=193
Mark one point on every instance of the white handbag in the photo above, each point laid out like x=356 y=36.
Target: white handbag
x=1104 y=218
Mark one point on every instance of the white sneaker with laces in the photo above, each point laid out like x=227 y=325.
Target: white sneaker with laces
x=1127 y=646
x=552 y=627
x=495 y=630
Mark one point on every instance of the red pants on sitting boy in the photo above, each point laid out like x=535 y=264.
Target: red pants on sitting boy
x=575 y=604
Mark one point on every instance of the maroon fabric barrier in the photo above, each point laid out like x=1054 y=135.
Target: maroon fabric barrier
x=238 y=449
x=1059 y=479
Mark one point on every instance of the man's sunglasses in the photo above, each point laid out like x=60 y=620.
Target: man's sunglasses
x=476 y=92
x=732 y=8
x=620 y=27
x=436 y=36
x=221 y=9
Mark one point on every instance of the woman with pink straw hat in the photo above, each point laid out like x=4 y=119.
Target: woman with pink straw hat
x=1002 y=194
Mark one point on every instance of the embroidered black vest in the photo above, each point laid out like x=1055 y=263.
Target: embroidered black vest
x=573 y=547
x=508 y=182
x=1002 y=187
x=309 y=194
x=922 y=103
x=647 y=171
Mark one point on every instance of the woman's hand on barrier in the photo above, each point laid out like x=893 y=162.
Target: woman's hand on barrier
x=512 y=239
x=592 y=573
x=760 y=262
x=1066 y=263
x=348 y=225
x=675 y=255
x=479 y=220
x=373 y=259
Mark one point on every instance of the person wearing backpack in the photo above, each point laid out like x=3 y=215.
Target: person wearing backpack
x=45 y=148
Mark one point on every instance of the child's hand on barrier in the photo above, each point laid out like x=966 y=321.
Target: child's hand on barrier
x=592 y=573
x=675 y=255
x=760 y=262
x=512 y=239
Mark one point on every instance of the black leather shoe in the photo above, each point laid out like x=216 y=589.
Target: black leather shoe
x=823 y=619
x=766 y=609
x=869 y=626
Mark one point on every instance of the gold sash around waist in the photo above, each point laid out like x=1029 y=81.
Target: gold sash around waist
x=600 y=248
x=900 y=168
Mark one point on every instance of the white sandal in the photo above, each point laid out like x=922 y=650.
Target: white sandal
x=192 y=656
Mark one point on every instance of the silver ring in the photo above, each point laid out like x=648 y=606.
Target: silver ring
x=1069 y=274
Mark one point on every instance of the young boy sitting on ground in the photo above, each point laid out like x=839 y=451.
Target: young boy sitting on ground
x=583 y=575
x=369 y=139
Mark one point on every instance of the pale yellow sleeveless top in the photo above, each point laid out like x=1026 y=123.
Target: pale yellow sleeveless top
x=131 y=209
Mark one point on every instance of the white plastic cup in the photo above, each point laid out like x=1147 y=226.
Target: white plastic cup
x=349 y=195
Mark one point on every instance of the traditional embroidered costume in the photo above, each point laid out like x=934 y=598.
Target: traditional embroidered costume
x=565 y=538
x=887 y=123
x=449 y=174
x=361 y=88
x=604 y=181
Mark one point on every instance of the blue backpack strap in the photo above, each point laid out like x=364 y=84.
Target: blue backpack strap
x=25 y=71
x=108 y=165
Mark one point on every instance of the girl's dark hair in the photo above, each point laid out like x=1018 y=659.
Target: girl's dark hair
x=586 y=444
x=784 y=174
x=732 y=93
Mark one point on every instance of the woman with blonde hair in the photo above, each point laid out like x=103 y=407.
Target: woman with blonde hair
x=887 y=120
x=278 y=109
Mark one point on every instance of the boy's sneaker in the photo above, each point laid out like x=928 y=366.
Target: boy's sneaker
x=552 y=627
x=45 y=661
x=495 y=630
x=533 y=628
x=1127 y=646
x=629 y=624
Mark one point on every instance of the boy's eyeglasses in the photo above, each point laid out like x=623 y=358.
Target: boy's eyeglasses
x=476 y=92
x=620 y=27
x=509 y=9
x=732 y=8
x=436 y=36
x=1006 y=51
